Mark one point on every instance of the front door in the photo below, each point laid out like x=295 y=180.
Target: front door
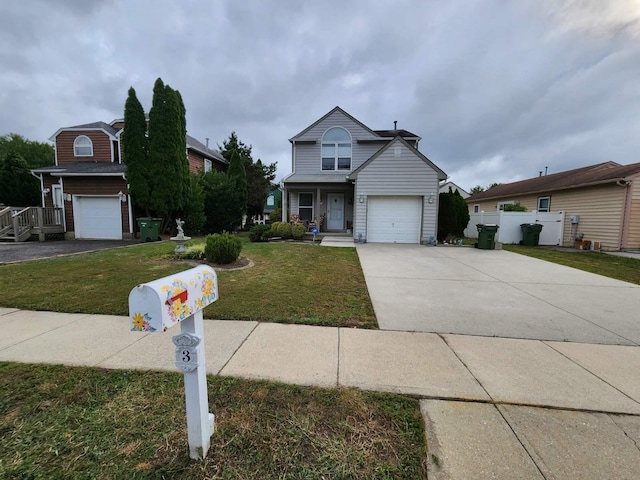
x=335 y=211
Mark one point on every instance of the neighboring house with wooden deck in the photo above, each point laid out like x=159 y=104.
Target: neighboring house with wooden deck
x=89 y=179
x=372 y=184
x=603 y=200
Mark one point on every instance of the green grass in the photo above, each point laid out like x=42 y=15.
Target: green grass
x=77 y=423
x=289 y=283
x=620 y=268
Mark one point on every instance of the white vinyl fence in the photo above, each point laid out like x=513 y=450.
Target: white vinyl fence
x=510 y=231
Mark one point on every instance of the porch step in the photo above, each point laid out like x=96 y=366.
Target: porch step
x=337 y=241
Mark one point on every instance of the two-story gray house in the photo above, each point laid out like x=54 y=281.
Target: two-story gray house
x=373 y=184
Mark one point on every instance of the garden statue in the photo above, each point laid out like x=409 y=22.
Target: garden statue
x=180 y=239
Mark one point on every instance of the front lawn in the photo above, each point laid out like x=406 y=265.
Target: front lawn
x=289 y=283
x=69 y=422
x=620 y=268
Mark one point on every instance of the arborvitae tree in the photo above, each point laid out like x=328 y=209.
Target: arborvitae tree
x=259 y=176
x=18 y=187
x=193 y=214
x=168 y=165
x=221 y=202
x=238 y=175
x=453 y=215
x=134 y=146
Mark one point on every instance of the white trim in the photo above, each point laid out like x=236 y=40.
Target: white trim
x=63 y=174
x=336 y=156
x=130 y=212
x=52 y=138
x=312 y=207
x=548 y=209
x=76 y=154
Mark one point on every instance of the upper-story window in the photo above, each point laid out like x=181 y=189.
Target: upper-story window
x=336 y=149
x=207 y=165
x=83 y=147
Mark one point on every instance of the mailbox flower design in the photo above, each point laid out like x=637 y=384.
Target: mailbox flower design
x=141 y=322
x=161 y=304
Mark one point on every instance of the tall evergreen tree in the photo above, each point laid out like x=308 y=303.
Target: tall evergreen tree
x=134 y=144
x=259 y=176
x=167 y=147
x=238 y=175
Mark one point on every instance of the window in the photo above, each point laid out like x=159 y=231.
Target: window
x=271 y=201
x=502 y=204
x=207 y=165
x=336 y=149
x=305 y=206
x=82 y=146
x=544 y=204
x=476 y=208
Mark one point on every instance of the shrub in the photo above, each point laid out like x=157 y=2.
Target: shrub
x=260 y=233
x=222 y=248
x=281 y=229
x=514 y=207
x=298 y=231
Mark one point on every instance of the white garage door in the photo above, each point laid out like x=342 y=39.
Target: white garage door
x=97 y=217
x=394 y=219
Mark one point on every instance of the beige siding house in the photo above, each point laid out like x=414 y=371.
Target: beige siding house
x=605 y=198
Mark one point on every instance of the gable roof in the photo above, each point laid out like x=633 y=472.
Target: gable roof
x=334 y=110
x=198 y=146
x=398 y=139
x=607 y=172
x=105 y=127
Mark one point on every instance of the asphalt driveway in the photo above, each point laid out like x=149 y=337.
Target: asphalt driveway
x=496 y=293
x=11 y=252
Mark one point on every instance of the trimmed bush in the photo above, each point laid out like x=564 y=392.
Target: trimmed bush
x=281 y=229
x=298 y=231
x=222 y=248
x=260 y=233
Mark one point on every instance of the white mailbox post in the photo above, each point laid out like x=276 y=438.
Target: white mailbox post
x=159 y=305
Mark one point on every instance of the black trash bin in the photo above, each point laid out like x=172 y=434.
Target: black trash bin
x=487 y=236
x=149 y=228
x=530 y=234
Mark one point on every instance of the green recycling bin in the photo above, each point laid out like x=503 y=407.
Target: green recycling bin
x=530 y=234
x=487 y=236
x=149 y=228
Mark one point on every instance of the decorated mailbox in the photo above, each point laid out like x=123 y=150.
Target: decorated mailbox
x=161 y=304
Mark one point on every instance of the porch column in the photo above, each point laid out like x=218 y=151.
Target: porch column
x=319 y=199
x=285 y=204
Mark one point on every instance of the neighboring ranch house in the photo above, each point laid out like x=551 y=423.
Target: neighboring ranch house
x=372 y=184
x=444 y=188
x=89 y=179
x=600 y=202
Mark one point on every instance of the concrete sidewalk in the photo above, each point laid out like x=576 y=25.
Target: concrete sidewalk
x=494 y=407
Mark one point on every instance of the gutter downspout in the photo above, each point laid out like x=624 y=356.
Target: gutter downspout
x=41 y=186
x=626 y=213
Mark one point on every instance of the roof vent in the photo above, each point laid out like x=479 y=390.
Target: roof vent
x=395 y=124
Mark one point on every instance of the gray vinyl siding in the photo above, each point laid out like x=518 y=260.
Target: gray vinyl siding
x=398 y=176
x=320 y=209
x=307 y=156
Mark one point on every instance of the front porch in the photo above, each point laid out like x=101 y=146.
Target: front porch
x=17 y=224
x=329 y=208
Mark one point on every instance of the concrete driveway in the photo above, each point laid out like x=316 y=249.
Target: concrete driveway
x=11 y=252
x=496 y=293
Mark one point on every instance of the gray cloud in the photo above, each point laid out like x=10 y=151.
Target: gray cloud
x=498 y=90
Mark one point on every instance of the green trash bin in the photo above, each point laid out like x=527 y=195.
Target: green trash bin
x=149 y=228
x=530 y=234
x=487 y=236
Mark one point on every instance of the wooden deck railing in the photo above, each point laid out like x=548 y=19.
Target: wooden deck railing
x=19 y=223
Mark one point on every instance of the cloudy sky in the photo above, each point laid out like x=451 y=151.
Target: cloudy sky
x=497 y=89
